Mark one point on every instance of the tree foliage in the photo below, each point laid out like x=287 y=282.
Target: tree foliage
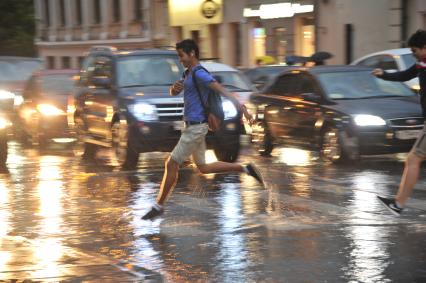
x=17 y=28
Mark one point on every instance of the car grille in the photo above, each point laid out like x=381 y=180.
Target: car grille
x=170 y=111
x=411 y=122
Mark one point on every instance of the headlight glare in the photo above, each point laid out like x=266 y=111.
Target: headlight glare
x=229 y=109
x=49 y=110
x=144 y=111
x=4 y=94
x=4 y=123
x=368 y=120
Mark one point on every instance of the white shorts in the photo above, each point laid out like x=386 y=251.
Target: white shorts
x=419 y=148
x=191 y=142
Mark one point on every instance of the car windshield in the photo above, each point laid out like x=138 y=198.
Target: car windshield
x=17 y=70
x=148 y=70
x=57 y=84
x=234 y=81
x=408 y=59
x=359 y=85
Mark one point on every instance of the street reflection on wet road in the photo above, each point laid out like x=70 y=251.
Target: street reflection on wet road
x=65 y=219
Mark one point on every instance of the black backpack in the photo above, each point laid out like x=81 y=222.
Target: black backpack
x=213 y=105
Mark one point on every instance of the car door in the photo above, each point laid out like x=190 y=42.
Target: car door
x=278 y=113
x=306 y=110
x=101 y=97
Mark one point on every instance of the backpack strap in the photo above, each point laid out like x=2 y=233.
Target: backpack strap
x=194 y=81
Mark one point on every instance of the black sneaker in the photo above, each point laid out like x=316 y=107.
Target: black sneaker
x=153 y=213
x=390 y=204
x=255 y=173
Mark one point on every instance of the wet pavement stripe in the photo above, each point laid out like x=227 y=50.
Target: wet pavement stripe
x=73 y=264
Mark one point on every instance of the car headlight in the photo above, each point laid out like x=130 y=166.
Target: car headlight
x=4 y=123
x=18 y=100
x=229 y=109
x=144 y=111
x=368 y=120
x=49 y=110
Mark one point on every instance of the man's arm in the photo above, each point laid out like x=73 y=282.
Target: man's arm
x=401 y=76
x=222 y=91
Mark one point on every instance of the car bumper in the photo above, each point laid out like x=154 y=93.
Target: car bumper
x=50 y=128
x=382 y=142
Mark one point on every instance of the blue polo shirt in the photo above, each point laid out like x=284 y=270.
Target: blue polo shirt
x=193 y=109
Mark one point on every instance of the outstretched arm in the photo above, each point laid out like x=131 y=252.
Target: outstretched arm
x=401 y=76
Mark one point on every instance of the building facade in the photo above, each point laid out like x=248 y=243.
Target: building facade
x=236 y=32
x=66 y=29
x=351 y=29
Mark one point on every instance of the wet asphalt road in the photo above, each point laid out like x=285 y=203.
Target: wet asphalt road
x=66 y=220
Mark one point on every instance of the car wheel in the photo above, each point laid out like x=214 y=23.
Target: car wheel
x=331 y=146
x=126 y=156
x=227 y=154
x=3 y=149
x=81 y=148
x=262 y=139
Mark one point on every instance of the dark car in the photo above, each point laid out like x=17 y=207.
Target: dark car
x=122 y=101
x=261 y=75
x=43 y=113
x=342 y=111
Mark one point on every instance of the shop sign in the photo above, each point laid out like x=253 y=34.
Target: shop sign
x=278 y=10
x=187 y=12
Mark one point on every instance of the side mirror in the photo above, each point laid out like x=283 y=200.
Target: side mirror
x=310 y=96
x=101 y=81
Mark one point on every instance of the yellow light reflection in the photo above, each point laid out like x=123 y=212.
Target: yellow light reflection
x=5 y=214
x=369 y=257
x=49 y=250
x=294 y=156
x=210 y=156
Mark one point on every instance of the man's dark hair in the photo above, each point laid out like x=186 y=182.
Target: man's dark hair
x=418 y=39
x=188 y=46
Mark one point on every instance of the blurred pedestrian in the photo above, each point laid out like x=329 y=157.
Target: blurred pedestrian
x=417 y=43
x=192 y=140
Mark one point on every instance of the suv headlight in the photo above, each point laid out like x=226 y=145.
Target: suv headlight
x=229 y=109
x=144 y=111
x=368 y=120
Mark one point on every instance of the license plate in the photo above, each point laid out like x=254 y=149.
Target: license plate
x=407 y=134
x=178 y=125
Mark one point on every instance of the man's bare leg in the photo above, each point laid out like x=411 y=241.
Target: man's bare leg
x=409 y=178
x=169 y=180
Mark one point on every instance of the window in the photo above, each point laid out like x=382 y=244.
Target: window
x=387 y=63
x=62 y=12
x=138 y=10
x=287 y=85
x=50 y=62
x=137 y=70
x=78 y=13
x=46 y=13
x=371 y=62
x=308 y=84
x=80 y=60
x=102 y=67
x=116 y=11
x=97 y=11
x=66 y=62
x=87 y=67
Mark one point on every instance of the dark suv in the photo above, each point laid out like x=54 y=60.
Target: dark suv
x=122 y=101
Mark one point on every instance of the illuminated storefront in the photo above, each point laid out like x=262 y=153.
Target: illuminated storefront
x=281 y=29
